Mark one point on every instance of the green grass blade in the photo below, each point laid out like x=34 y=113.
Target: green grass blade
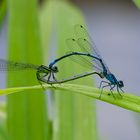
x=46 y=24
x=3 y=134
x=128 y=101
x=27 y=110
x=137 y=3
x=2 y=10
x=60 y=14
x=71 y=108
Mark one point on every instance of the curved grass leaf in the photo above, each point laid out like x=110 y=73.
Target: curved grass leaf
x=128 y=101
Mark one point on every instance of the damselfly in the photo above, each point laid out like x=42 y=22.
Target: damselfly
x=84 y=51
x=86 y=45
x=43 y=73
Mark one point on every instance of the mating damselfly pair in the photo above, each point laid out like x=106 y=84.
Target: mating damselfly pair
x=82 y=51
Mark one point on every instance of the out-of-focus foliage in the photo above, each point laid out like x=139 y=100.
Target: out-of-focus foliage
x=2 y=10
x=3 y=134
x=57 y=21
x=137 y=2
x=26 y=112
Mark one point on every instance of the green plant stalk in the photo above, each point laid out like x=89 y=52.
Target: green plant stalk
x=128 y=101
x=27 y=110
x=75 y=114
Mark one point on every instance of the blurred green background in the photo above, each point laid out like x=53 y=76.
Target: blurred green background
x=35 y=32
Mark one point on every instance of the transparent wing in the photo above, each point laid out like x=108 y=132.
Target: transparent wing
x=6 y=65
x=83 y=60
x=87 y=44
x=81 y=32
x=73 y=46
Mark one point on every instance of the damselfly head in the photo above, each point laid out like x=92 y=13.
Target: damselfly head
x=120 y=84
x=55 y=69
